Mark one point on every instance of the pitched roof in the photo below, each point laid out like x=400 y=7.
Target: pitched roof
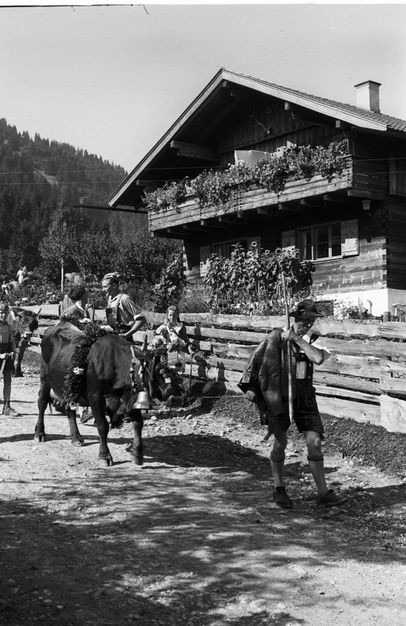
x=306 y=100
x=354 y=115
x=392 y=123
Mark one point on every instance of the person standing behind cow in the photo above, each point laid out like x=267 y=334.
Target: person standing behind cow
x=7 y=349
x=23 y=324
x=122 y=313
x=265 y=381
x=77 y=313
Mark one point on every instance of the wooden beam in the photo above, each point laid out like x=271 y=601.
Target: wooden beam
x=226 y=220
x=172 y=232
x=310 y=203
x=211 y=225
x=365 y=193
x=233 y=219
x=194 y=151
x=335 y=198
x=288 y=206
x=146 y=183
x=191 y=228
x=287 y=106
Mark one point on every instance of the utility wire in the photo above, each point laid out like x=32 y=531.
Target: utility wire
x=189 y=167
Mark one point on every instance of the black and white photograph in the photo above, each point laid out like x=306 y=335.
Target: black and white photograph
x=202 y=313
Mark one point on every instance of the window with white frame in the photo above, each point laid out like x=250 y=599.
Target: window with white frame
x=322 y=241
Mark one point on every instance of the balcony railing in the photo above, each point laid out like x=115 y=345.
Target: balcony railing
x=295 y=190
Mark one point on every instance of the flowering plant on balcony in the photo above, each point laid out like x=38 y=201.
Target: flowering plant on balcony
x=219 y=187
x=170 y=196
x=216 y=188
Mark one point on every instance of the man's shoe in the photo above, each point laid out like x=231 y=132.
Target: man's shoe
x=330 y=499
x=281 y=498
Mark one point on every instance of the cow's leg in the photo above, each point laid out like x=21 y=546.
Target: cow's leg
x=98 y=407
x=136 y=448
x=44 y=399
x=22 y=346
x=75 y=436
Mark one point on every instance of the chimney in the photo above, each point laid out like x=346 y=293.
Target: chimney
x=367 y=95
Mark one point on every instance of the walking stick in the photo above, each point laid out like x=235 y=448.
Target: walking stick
x=288 y=349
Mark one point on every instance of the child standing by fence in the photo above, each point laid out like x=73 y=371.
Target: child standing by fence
x=7 y=350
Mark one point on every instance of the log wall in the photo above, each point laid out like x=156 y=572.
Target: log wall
x=396 y=236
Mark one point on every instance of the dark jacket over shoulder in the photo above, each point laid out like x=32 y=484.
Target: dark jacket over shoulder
x=263 y=372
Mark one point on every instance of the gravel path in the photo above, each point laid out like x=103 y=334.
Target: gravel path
x=192 y=537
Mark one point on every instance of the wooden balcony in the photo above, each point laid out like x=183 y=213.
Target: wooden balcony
x=170 y=222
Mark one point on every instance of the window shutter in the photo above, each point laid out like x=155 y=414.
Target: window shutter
x=349 y=238
x=288 y=240
x=204 y=260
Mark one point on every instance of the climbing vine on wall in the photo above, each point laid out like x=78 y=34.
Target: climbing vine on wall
x=219 y=187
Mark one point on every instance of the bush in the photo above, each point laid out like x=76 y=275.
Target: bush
x=249 y=283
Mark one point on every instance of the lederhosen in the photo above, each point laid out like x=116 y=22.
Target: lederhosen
x=305 y=410
x=6 y=344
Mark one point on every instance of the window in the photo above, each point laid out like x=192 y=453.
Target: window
x=222 y=249
x=320 y=242
x=225 y=248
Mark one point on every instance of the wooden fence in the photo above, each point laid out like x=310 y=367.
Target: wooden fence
x=364 y=379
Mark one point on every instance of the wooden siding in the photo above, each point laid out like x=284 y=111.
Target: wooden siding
x=370 y=164
x=367 y=270
x=396 y=251
x=268 y=127
x=397 y=175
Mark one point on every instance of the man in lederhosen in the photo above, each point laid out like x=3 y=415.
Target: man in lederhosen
x=265 y=381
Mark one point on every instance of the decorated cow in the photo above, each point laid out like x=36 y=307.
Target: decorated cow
x=104 y=372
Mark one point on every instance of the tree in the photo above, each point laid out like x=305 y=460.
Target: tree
x=95 y=251
x=141 y=257
x=60 y=243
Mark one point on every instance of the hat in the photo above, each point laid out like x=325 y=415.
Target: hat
x=113 y=276
x=305 y=310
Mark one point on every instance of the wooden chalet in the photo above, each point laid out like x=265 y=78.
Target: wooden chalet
x=353 y=227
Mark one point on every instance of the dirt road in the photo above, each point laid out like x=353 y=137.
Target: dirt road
x=192 y=538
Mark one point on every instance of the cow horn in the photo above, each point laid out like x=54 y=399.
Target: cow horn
x=143 y=401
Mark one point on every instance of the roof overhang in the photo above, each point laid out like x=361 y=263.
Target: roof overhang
x=269 y=89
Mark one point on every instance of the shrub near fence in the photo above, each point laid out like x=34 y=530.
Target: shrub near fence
x=364 y=379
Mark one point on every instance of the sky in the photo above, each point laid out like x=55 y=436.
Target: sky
x=113 y=79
